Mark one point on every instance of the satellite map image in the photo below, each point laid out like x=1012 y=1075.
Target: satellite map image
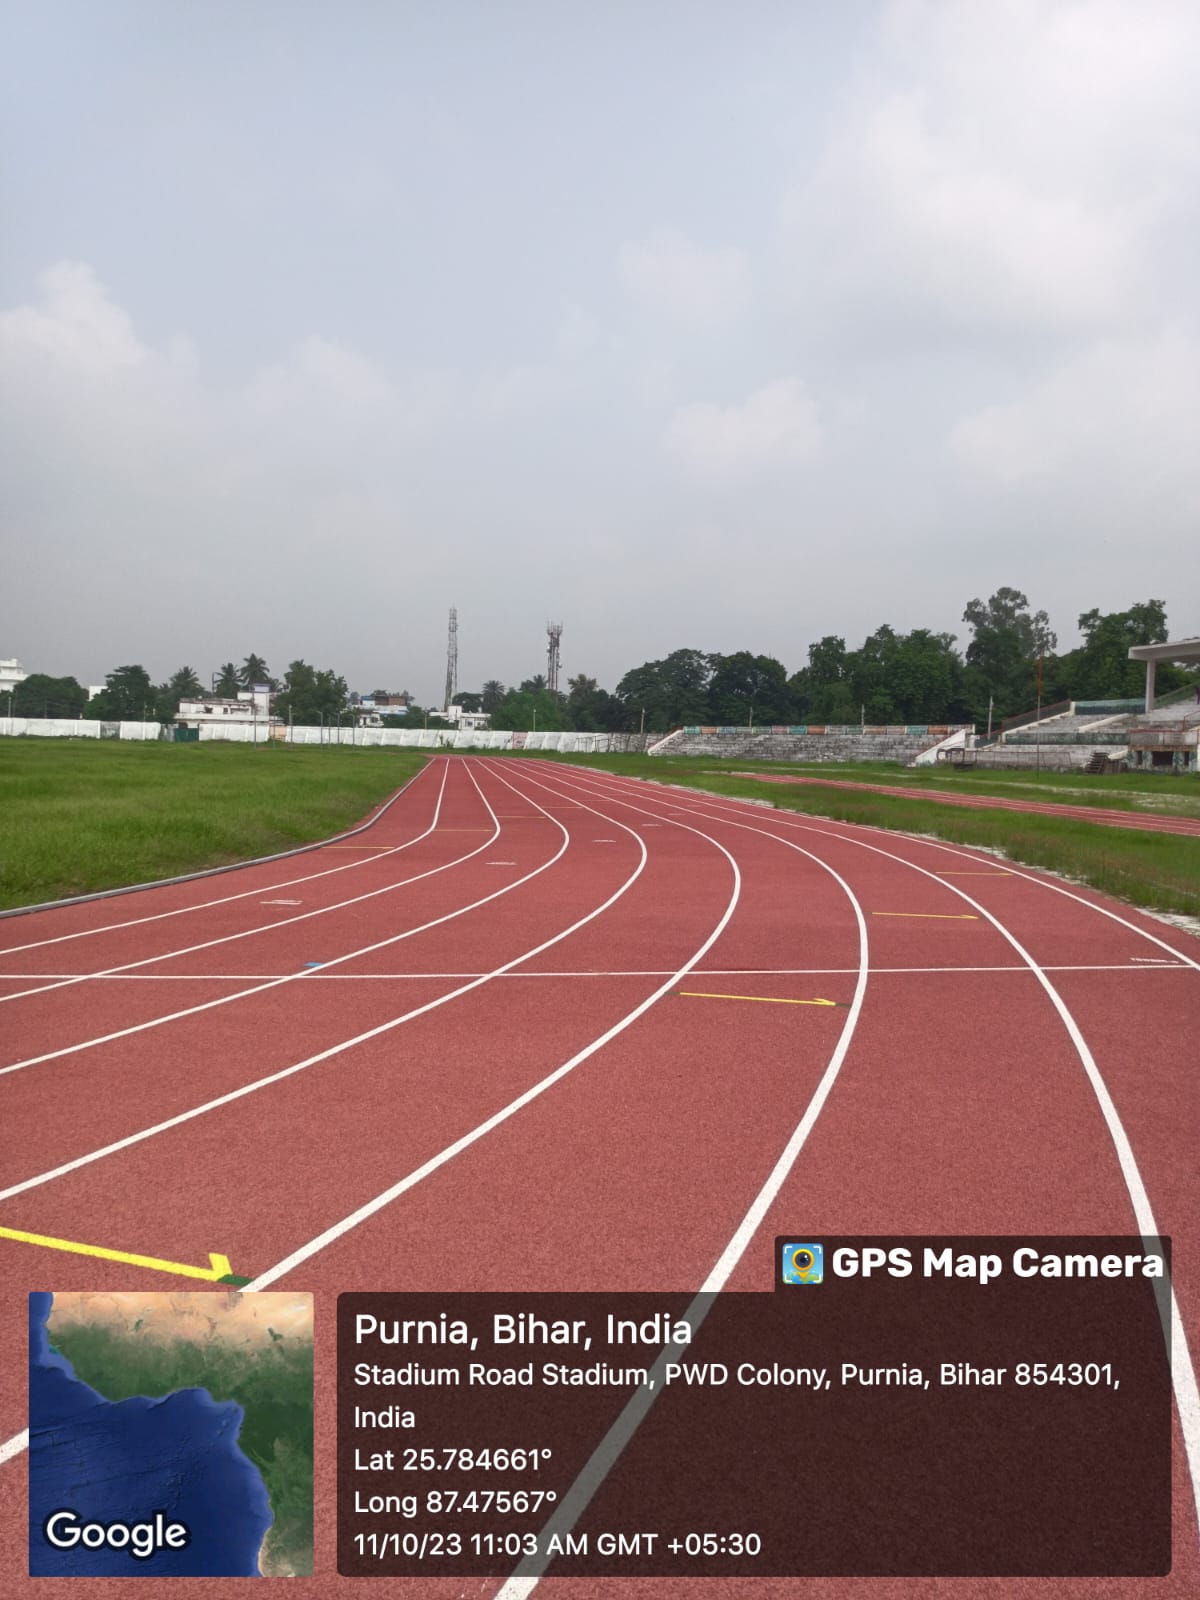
x=171 y=1435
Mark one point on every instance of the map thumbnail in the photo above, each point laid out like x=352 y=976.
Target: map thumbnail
x=171 y=1435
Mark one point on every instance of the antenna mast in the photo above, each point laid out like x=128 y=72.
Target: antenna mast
x=554 y=633
x=451 y=660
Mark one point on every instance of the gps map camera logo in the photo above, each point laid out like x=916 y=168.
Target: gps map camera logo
x=803 y=1263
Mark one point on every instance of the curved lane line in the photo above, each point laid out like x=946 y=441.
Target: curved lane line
x=787 y=819
x=575 y=1501
x=347 y=1044
x=1183 y=1374
x=266 y=927
x=410 y=1181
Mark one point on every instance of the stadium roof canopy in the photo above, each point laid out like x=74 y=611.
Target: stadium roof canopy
x=1170 y=650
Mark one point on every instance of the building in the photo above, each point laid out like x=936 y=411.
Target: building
x=11 y=674
x=468 y=721
x=213 y=711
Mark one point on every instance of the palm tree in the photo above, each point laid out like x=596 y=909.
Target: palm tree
x=184 y=685
x=228 y=683
x=254 y=670
x=493 y=693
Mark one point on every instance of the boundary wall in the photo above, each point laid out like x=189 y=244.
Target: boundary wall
x=394 y=738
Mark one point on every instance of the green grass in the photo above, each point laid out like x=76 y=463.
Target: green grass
x=1155 y=870
x=86 y=815
x=83 y=816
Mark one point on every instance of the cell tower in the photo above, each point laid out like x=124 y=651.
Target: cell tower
x=451 y=660
x=554 y=633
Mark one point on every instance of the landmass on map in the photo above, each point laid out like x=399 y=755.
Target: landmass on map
x=254 y=1349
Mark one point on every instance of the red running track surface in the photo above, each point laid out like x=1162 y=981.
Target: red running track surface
x=494 y=1047
x=1146 y=822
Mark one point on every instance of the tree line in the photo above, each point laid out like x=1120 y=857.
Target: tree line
x=916 y=677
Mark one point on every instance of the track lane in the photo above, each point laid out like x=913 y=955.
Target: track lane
x=614 y=1145
x=1146 y=822
x=1113 y=1142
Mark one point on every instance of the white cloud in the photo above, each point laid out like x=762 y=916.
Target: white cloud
x=1004 y=164
x=777 y=425
x=1114 y=424
x=685 y=283
x=75 y=325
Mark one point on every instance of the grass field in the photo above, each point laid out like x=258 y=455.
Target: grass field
x=85 y=816
x=1153 y=870
x=80 y=816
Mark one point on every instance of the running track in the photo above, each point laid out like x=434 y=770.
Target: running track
x=495 y=1049
x=1188 y=827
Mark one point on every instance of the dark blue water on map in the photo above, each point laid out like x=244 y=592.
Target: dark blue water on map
x=124 y=1460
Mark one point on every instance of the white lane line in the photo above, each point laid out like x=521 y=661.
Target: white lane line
x=593 y=972
x=361 y=1038
x=14 y=1446
x=380 y=1201
x=294 y=977
x=265 y=927
x=575 y=1501
x=1183 y=1373
x=224 y=900
x=787 y=820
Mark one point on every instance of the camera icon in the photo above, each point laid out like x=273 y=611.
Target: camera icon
x=803 y=1263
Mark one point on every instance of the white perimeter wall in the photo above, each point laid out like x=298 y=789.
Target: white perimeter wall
x=396 y=738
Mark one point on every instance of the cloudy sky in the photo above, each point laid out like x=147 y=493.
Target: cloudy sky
x=688 y=324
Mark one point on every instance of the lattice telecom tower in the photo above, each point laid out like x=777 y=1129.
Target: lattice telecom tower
x=554 y=632
x=451 y=660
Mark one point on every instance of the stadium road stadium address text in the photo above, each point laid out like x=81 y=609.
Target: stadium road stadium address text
x=925 y=1427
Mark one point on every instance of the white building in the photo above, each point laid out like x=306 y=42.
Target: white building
x=11 y=674
x=213 y=710
x=468 y=721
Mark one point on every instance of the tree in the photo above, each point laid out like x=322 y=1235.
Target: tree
x=253 y=670
x=531 y=709
x=591 y=709
x=228 y=683
x=820 y=692
x=673 y=693
x=1007 y=642
x=493 y=692
x=310 y=696
x=469 y=702
x=40 y=695
x=127 y=696
x=534 y=684
x=1100 y=669
x=746 y=688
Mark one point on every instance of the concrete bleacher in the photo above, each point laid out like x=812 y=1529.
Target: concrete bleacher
x=801 y=744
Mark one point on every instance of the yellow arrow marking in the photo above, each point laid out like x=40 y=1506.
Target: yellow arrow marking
x=931 y=916
x=220 y=1267
x=762 y=999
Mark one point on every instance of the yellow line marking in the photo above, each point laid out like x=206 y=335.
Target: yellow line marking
x=761 y=999
x=220 y=1267
x=931 y=916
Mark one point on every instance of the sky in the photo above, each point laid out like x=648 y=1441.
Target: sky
x=685 y=324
